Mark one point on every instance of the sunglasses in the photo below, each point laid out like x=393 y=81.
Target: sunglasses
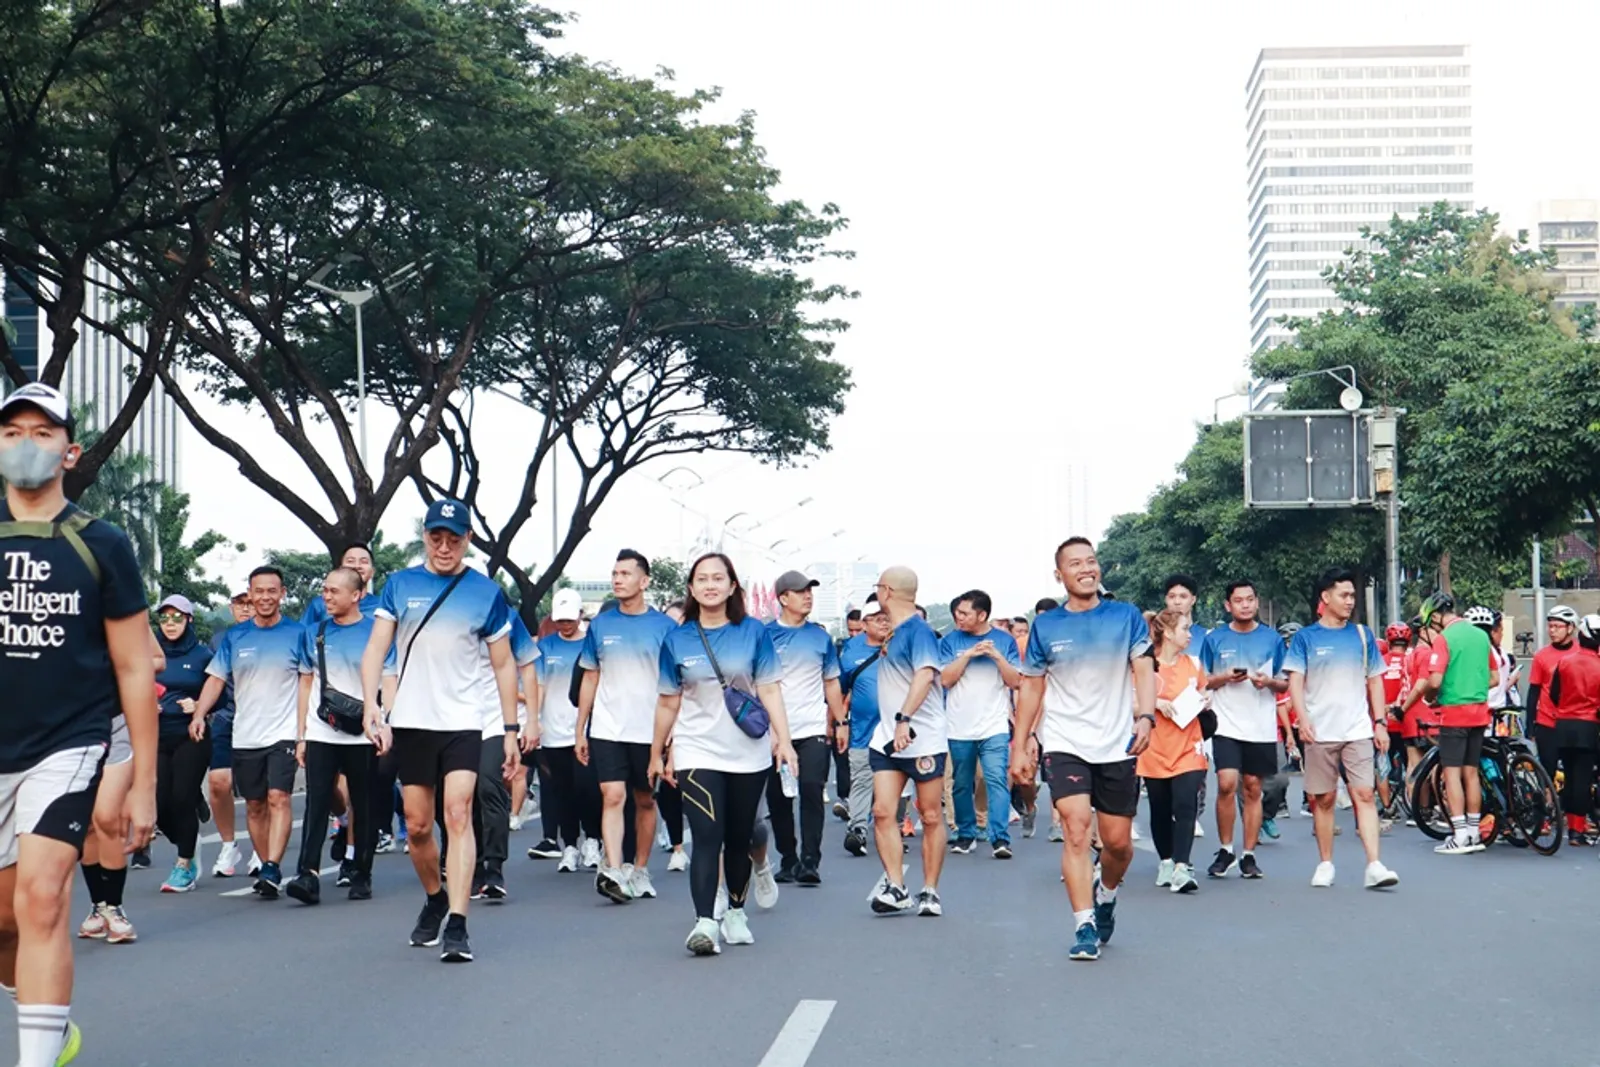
x=170 y=616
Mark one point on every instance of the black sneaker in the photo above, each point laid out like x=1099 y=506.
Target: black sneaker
x=1248 y=867
x=891 y=899
x=140 y=860
x=454 y=946
x=494 y=886
x=807 y=874
x=1002 y=850
x=307 y=889
x=1579 y=839
x=360 y=886
x=338 y=845
x=479 y=888
x=1222 y=864
x=546 y=849
x=786 y=871
x=268 y=881
x=347 y=870
x=855 y=844
x=431 y=918
x=963 y=845
x=841 y=810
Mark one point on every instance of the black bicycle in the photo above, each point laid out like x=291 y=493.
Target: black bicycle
x=1520 y=802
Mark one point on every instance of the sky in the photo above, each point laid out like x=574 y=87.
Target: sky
x=1048 y=213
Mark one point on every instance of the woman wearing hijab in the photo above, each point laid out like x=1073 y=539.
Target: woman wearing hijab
x=184 y=754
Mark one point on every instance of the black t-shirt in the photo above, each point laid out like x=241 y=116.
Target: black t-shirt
x=55 y=670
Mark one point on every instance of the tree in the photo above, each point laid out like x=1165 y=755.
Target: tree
x=667 y=581
x=303 y=574
x=135 y=134
x=180 y=571
x=127 y=495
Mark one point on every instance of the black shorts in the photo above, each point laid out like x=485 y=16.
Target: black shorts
x=1577 y=734
x=1256 y=758
x=1112 y=788
x=258 y=771
x=424 y=757
x=917 y=768
x=621 y=761
x=1460 y=746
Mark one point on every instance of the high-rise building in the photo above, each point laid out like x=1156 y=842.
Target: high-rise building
x=98 y=375
x=1339 y=139
x=844 y=586
x=1571 y=229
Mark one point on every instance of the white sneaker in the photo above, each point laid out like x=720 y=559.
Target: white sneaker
x=736 y=928
x=764 y=887
x=883 y=883
x=255 y=865
x=679 y=860
x=515 y=823
x=1199 y=831
x=1343 y=800
x=1183 y=879
x=1164 y=874
x=118 y=929
x=589 y=855
x=227 y=861
x=640 y=885
x=627 y=873
x=1324 y=876
x=719 y=907
x=569 y=860
x=704 y=939
x=1136 y=835
x=1380 y=877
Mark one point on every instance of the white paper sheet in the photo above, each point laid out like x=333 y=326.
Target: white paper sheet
x=1186 y=705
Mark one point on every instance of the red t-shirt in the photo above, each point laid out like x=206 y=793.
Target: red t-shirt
x=1464 y=715
x=1416 y=669
x=1394 y=671
x=1580 y=686
x=1544 y=666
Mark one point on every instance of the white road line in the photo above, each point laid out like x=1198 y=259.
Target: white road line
x=793 y=1045
x=248 y=890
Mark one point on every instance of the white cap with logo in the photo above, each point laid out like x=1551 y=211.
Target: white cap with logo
x=566 y=606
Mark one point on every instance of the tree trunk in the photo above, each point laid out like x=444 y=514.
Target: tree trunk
x=1444 y=573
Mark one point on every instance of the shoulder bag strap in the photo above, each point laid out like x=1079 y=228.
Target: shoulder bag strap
x=439 y=600
x=849 y=680
x=704 y=640
x=322 y=657
x=70 y=530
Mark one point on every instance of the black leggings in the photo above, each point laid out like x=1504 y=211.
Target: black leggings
x=385 y=798
x=558 y=796
x=1174 y=807
x=669 y=809
x=1576 y=791
x=325 y=762
x=181 y=766
x=721 y=807
x=1544 y=741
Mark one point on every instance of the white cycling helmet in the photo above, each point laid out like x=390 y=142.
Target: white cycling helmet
x=1478 y=615
x=1562 y=613
x=1589 y=627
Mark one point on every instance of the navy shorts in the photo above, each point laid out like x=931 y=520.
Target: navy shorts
x=1259 y=759
x=1112 y=788
x=222 y=741
x=916 y=768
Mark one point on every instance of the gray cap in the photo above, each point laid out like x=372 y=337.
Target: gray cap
x=793 y=582
x=179 y=601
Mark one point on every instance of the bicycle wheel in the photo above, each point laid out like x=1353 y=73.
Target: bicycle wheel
x=1536 y=807
x=1427 y=799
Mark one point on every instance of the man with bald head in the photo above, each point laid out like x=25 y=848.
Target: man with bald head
x=909 y=743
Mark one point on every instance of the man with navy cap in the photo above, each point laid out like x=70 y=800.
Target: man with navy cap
x=449 y=626
x=811 y=694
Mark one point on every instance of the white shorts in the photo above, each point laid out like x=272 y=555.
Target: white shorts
x=54 y=798
x=121 y=747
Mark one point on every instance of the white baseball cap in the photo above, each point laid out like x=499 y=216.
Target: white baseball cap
x=869 y=610
x=566 y=606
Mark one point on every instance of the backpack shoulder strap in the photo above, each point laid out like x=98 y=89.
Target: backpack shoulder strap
x=70 y=529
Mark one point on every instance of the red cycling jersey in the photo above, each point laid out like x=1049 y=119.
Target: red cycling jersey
x=1576 y=681
x=1544 y=666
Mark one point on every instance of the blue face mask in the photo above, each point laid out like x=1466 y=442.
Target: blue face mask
x=28 y=466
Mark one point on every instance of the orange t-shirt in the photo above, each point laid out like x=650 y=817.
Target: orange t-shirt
x=1173 y=750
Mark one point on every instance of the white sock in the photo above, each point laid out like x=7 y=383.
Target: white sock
x=1247 y=852
x=1081 y=917
x=1102 y=895
x=41 y=1031
x=350 y=852
x=11 y=991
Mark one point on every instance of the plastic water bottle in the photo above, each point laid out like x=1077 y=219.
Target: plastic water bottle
x=786 y=780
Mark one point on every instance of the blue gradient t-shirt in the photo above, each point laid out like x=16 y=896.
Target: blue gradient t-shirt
x=558 y=715
x=441 y=681
x=1336 y=662
x=978 y=706
x=1244 y=712
x=343 y=647
x=524 y=651
x=863 y=688
x=317 y=610
x=263 y=662
x=1085 y=659
x=912 y=647
x=809 y=659
x=705 y=736
x=626 y=650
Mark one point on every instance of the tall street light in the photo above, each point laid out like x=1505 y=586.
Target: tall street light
x=356 y=298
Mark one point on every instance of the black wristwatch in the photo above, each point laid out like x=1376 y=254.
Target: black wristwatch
x=513 y=728
x=1152 y=719
x=898 y=717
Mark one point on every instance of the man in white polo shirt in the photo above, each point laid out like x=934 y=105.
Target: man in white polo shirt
x=979 y=673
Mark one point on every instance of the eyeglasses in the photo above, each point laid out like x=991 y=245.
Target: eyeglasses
x=170 y=616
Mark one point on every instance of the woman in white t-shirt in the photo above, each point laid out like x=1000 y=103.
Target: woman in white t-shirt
x=721 y=770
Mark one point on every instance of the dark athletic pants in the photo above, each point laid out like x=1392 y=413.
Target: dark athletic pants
x=721 y=807
x=324 y=763
x=1174 y=807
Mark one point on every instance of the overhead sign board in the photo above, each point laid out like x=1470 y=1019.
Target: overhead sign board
x=1308 y=459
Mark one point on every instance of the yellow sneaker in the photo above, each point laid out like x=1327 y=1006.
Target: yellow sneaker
x=72 y=1046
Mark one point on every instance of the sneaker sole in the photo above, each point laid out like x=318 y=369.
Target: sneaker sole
x=534 y=854
x=266 y=890
x=1384 y=883
x=126 y=939
x=883 y=908
x=930 y=913
x=101 y=936
x=1254 y=877
x=496 y=895
x=165 y=888
x=456 y=956
x=1230 y=869
x=702 y=945
x=1082 y=956
x=615 y=893
x=1187 y=887
x=425 y=944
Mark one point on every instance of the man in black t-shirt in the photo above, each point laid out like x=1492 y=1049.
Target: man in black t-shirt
x=74 y=650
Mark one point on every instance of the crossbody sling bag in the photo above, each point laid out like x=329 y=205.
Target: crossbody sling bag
x=343 y=712
x=748 y=713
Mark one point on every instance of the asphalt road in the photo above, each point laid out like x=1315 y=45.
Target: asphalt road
x=1471 y=960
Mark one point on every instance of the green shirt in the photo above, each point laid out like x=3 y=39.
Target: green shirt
x=1468 y=665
